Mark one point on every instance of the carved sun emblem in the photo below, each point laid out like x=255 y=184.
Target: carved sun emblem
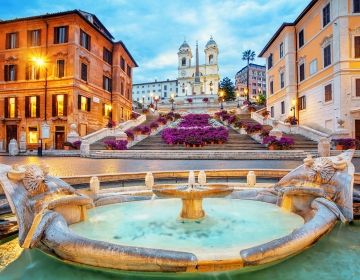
x=322 y=170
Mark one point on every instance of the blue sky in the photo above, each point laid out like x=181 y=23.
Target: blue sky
x=153 y=30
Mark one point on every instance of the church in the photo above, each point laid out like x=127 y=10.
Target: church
x=195 y=79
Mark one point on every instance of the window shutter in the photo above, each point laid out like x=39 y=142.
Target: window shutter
x=29 y=38
x=38 y=106
x=66 y=34
x=103 y=109
x=27 y=74
x=15 y=69
x=16 y=107
x=6 y=73
x=56 y=32
x=7 y=43
x=79 y=102
x=17 y=39
x=357 y=87
x=27 y=105
x=54 y=105
x=6 y=107
x=89 y=42
x=357 y=46
x=65 y=104
x=104 y=82
x=88 y=104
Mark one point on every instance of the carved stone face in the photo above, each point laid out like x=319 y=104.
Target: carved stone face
x=34 y=180
x=321 y=171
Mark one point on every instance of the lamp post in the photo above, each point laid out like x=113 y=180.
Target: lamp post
x=40 y=62
x=172 y=100
x=156 y=99
x=143 y=103
x=151 y=98
x=246 y=91
x=221 y=94
x=238 y=99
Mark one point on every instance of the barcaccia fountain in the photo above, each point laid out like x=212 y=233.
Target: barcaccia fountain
x=233 y=229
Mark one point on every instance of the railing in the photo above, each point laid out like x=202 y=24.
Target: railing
x=306 y=131
x=106 y=132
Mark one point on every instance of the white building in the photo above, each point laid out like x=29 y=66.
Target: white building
x=208 y=71
x=162 y=89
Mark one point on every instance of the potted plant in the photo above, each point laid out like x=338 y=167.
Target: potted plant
x=68 y=146
x=270 y=142
x=145 y=130
x=189 y=100
x=291 y=120
x=265 y=114
x=134 y=115
x=154 y=126
x=205 y=100
x=111 y=124
x=345 y=143
x=130 y=135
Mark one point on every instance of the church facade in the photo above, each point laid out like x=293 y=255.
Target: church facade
x=195 y=78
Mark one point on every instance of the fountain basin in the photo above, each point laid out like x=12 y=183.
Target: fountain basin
x=192 y=197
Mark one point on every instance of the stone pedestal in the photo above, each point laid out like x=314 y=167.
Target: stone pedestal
x=94 y=184
x=202 y=177
x=251 y=179
x=13 y=148
x=192 y=209
x=73 y=135
x=85 y=149
x=324 y=147
x=149 y=180
x=22 y=142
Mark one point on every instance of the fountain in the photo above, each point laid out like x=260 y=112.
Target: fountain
x=142 y=235
x=192 y=196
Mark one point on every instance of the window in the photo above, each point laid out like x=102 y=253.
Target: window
x=10 y=107
x=357 y=87
x=12 y=40
x=328 y=93
x=326 y=15
x=313 y=67
x=254 y=91
x=301 y=38
x=84 y=103
x=33 y=135
x=84 y=72
x=211 y=59
x=107 y=84
x=302 y=72
x=183 y=61
x=107 y=56
x=128 y=70
x=32 y=72
x=34 y=38
x=302 y=102
x=10 y=72
x=356 y=4
x=270 y=61
x=282 y=107
x=85 y=40
x=60 y=68
x=272 y=113
x=282 y=80
x=61 y=34
x=107 y=110
x=32 y=106
x=165 y=87
x=271 y=87
x=59 y=105
x=327 y=56
x=281 y=50
x=122 y=88
x=122 y=63
x=357 y=46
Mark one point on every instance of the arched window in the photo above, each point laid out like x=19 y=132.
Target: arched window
x=211 y=59
x=183 y=61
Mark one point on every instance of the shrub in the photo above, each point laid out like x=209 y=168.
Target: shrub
x=240 y=124
x=134 y=115
x=116 y=144
x=291 y=120
x=130 y=134
x=253 y=128
x=162 y=120
x=145 y=130
x=154 y=125
x=284 y=143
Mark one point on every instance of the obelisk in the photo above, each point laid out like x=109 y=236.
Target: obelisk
x=197 y=83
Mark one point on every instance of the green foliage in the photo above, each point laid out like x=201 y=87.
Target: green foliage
x=261 y=99
x=248 y=55
x=227 y=86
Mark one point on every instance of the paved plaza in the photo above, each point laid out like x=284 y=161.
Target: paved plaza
x=69 y=166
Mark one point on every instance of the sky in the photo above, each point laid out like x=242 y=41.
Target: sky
x=153 y=30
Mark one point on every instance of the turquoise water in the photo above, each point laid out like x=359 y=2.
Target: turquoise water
x=229 y=225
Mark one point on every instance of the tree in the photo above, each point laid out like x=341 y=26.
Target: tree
x=248 y=55
x=261 y=99
x=227 y=86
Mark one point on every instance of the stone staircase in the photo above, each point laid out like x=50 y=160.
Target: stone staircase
x=99 y=145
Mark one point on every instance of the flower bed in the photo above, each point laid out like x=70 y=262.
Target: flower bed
x=284 y=143
x=195 y=130
x=116 y=144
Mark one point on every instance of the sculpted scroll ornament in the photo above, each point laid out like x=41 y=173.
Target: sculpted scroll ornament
x=34 y=180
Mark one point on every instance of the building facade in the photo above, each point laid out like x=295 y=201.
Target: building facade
x=145 y=92
x=61 y=69
x=257 y=80
x=208 y=71
x=313 y=67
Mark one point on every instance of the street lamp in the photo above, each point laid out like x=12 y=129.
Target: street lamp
x=238 y=99
x=221 y=94
x=156 y=99
x=246 y=91
x=41 y=63
x=172 y=100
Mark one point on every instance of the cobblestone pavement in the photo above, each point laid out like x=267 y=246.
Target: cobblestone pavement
x=69 y=166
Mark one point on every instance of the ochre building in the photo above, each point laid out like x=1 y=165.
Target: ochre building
x=61 y=69
x=313 y=68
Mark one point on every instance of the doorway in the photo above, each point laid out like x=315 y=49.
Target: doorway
x=357 y=129
x=11 y=133
x=59 y=137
